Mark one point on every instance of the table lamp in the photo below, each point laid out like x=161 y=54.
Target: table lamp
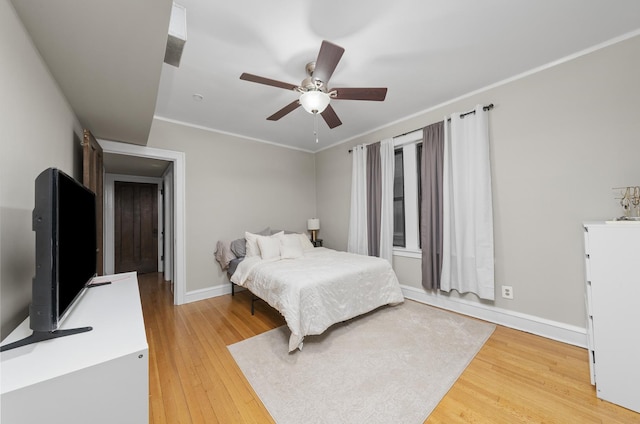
x=313 y=225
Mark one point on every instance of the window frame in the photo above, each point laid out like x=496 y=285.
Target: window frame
x=408 y=143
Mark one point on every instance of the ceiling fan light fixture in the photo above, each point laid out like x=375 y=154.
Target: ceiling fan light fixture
x=314 y=101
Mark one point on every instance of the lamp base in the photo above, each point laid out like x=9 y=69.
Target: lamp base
x=314 y=235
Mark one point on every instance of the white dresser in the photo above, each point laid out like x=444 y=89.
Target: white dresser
x=101 y=376
x=612 y=252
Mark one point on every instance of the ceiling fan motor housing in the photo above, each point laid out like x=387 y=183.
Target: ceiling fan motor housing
x=310 y=83
x=311 y=66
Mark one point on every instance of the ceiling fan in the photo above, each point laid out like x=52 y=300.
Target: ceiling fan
x=315 y=95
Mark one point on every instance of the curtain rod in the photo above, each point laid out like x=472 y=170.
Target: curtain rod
x=462 y=115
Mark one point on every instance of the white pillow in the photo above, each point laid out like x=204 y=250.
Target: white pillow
x=290 y=246
x=252 y=244
x=269 y=247
x=305 y=242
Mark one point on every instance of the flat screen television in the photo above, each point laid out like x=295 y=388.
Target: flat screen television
x=64 y=222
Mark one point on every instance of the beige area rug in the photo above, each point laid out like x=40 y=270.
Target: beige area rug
x=392 y=365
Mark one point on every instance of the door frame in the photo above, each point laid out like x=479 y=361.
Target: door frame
x=178 y=194
x=109 y=216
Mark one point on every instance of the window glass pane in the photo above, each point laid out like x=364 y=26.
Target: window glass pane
x=419 y=159
x=398 y=201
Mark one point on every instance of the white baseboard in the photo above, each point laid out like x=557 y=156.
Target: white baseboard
x=209 y=292
x=554 y=330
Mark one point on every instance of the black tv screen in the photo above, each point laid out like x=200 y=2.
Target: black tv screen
x=64 y=220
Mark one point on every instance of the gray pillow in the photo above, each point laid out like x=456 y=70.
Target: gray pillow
x=239 y=246
x=265 y=232
x=285 y=231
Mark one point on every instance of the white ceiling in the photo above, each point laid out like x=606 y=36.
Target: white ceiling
x=425 y=51
x=106 y=56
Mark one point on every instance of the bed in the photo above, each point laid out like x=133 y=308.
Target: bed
x=314 y=288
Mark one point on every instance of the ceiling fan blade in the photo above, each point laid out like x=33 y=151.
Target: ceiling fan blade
x=267 y=81
x=327 y=60
x=285 y=110
x=330 y=117
x=375 y=94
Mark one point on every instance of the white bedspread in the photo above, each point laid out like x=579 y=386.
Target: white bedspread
x=319 y=289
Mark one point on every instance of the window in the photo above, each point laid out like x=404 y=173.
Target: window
x=398 y=200
x=406 y=232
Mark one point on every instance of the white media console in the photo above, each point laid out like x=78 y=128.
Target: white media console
x=100 y=376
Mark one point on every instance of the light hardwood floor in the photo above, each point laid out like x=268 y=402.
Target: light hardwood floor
x=515 y=378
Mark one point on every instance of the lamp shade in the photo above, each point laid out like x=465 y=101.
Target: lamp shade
x=313 y=224
x=314 y=101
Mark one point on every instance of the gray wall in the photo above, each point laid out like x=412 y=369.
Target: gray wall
x=235 y=185
x=38 y=130
x=561 y=138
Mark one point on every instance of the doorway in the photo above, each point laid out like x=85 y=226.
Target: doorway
x=136 y=227
x=174 y=185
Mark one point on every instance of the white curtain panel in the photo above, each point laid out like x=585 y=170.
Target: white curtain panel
x=468 y=256
x=358 y=241
x=387 y=160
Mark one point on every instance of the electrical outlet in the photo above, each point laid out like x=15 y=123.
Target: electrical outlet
x=507 y=292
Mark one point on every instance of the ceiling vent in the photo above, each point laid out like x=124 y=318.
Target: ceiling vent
x=177 y=35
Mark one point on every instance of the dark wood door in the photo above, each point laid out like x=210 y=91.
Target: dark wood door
x=92 y=178
x=136 y=227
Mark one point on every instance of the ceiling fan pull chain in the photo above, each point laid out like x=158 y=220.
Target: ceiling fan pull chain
x=315 y=125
